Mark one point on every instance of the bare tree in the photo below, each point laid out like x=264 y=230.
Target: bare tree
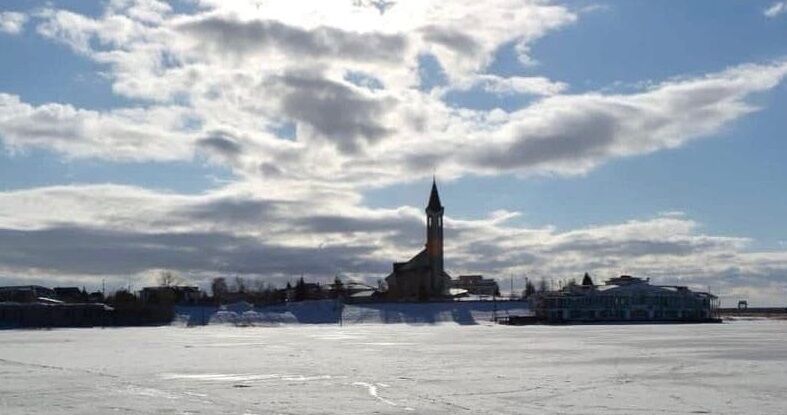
x=530 y=289
x=542 y=285
x=240 y=285
x=168 y=278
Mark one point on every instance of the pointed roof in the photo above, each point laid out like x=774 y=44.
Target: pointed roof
x=586 y=280
x=434 y=198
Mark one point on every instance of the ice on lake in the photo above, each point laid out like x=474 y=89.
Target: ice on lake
x=732 y=368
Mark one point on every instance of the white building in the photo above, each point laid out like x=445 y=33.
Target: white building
x=626 y=299
x=476 y=285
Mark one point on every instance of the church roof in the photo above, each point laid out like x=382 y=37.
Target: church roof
x=420 y=260
x=434 y=199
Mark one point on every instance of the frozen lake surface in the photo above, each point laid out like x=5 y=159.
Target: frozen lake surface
x=733 y=368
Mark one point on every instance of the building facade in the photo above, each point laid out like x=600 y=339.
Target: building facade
x=423 y=277
x=476 y=285
x=625 y=299
x=26 y=293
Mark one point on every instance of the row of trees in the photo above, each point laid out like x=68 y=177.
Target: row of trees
x=261 y=292
x=543 y=285
x=224 y=290
x=531 y=288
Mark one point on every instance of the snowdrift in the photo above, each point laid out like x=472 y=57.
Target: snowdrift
x=332 y=312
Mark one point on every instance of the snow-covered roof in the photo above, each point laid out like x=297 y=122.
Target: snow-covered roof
x=626 y=285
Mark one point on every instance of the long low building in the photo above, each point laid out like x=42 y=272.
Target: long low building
x=53 y=314
x=625 y=299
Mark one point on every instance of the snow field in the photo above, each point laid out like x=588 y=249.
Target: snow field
x=733 y=368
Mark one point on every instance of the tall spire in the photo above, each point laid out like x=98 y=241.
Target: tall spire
x=434 y=198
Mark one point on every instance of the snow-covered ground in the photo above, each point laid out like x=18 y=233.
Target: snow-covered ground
x=733 y=368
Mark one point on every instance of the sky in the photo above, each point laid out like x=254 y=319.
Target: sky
x=272 y=139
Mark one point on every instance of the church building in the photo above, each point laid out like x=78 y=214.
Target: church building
x=423 y=277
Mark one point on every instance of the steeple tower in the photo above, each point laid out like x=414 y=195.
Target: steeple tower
x=434 y=237
x=423 y=277
x=434 y=199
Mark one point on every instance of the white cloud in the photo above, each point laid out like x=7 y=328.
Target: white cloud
x=776 y=9
x=148 y=11
x=515 y=85
x=134 y=134
x=218 y=63
x=569 y=134
x=12 y=22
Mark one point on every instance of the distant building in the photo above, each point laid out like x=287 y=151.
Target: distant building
x=351 y=289
x=95 y=297
x=53 y=314
x=71 y=294
x=312 y=290
x=170 y=295
x=423 y=276
x=304 y=291
x=37 y=306
x=26 y=293
x=476 y=285
x=625 y=299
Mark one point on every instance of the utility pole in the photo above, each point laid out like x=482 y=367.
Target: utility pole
x=339 y=306
x=494 y=308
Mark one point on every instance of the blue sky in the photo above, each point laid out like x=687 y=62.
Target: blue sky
x=721 y=180
x=246 y=145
